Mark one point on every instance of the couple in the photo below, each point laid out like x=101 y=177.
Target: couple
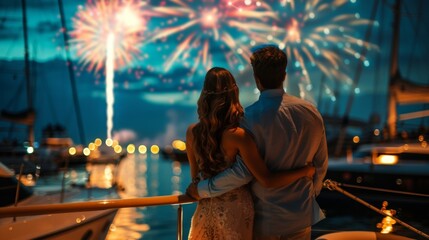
x=273 y=146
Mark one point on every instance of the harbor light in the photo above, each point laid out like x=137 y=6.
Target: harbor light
x=154 y=149
x=117 y=149
x=109 y=142
x=92 y=146
x=356 y=139
x=142 y=149
x=376 y=132
x=72 y=151
x=98 y=142
x=30 y=150
x=86 y=151
x=131 y=148
x=179 y=144
x=387 y=223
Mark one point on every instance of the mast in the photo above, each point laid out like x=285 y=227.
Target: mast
x=71 y=74
x=394 y=73
x=27 y=72
x=345 y=118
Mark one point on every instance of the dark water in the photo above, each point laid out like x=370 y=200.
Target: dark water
x=153 y=176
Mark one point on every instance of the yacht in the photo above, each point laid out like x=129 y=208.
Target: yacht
x=79 y=224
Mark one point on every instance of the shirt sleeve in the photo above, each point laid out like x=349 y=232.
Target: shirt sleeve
x=235 y=176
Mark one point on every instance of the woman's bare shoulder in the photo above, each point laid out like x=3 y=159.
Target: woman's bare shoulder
x=235 y=134
x=191 y=126
x=189 y=130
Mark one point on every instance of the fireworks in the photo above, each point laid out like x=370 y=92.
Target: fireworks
x=125 y=20
x=203 y=29
x=316 y=35
x=107 y=34
x=319 y=36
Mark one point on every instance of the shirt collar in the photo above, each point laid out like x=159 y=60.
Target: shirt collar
x=268 y=93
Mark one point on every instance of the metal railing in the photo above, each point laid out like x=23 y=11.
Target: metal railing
x=335 y=186
x=102 y=205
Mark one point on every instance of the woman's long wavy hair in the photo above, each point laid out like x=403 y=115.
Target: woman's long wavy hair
x=219 y=109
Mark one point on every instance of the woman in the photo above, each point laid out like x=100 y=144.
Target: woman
x=212 y=145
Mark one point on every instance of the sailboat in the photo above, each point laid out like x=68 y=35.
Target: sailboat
x=75 y=225
x=72 y=225
x=405 y=159
x=396 y=170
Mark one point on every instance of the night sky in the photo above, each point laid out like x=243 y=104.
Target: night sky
x=157 y=88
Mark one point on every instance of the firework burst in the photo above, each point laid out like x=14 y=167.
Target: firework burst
x=313 y=38
x=94 y=23
x=107 y=34
x=208 y=27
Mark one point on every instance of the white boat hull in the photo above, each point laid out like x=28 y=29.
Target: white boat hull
x=360 y=235
x=76 y=225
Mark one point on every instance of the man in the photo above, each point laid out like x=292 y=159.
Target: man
x=289 y=133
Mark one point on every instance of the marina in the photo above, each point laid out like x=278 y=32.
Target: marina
x=145 y=176
x=97 y=97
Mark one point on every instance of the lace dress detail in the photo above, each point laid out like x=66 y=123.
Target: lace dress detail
x=228 y=217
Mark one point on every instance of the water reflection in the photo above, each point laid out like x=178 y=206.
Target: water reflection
x=101 y=175
x=175 y=179
x=133 y=176
x=144 y=175
x=154 y=175
x=126 y=226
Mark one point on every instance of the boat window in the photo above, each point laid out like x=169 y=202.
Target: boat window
x=367 y=155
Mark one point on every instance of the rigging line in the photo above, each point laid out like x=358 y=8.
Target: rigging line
x=416 y=33
x=34 y=66
x=26 y=54
x=377 y=72
x=71 y=74
x=343 y=127
x=384 y=190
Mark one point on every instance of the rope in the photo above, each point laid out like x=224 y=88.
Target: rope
x=384 y=190
x=332 y=185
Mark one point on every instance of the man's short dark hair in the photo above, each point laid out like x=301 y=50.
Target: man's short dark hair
x=269 y=66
